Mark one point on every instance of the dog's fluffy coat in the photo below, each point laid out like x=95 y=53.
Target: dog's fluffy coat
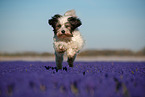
x=67 y=37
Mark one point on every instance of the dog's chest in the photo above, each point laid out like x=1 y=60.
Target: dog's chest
x=67 y=43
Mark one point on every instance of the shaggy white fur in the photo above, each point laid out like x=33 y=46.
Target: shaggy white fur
x=71 y=45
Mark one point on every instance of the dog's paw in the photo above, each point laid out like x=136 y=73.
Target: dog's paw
x=61 y=48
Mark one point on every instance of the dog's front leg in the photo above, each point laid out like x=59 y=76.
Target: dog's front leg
x=59 y=59
x=71 y=60
x=71 y=54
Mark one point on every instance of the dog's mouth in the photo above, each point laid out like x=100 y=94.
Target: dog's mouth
x=65 y=35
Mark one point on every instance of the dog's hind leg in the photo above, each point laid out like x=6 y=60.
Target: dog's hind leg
x=59 y=59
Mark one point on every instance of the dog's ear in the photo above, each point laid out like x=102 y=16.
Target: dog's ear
x=71 y=13
x=75 y=22
x=54 y=20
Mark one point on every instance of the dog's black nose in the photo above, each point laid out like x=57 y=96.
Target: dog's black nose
x=63 y=31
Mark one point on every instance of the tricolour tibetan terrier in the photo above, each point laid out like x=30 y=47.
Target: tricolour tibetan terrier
x=67 y=37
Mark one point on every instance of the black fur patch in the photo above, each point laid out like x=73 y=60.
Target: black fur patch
x=53 y=22
x=75 y=22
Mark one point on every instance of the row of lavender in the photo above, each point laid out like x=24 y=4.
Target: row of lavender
x=85 y=79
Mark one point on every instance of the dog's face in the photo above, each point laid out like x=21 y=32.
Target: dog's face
x=63 y=26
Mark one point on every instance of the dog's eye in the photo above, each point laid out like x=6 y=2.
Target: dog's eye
x=66 y=26
x=59 y=26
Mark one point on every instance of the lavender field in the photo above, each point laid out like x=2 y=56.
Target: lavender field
x=85 y=79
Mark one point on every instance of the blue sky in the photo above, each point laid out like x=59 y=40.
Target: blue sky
x=107 y=24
